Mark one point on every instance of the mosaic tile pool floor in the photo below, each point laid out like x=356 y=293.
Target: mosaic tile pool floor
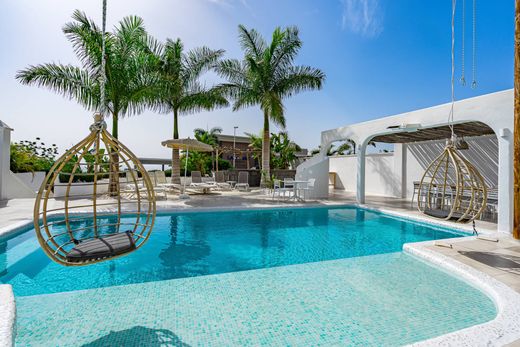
x=381 y=300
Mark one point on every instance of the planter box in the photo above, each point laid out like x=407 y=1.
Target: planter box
x=81 y=190
x=32 y=180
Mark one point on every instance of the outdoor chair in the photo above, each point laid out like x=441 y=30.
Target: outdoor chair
x=278 y=189
x=220 y=181
x=243 y=180
x=161 y=182
x=492 y=203
x=288 y=182
x=196 y=177
x=157 y=188
x=308 y=189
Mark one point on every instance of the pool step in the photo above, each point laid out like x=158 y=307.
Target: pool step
x=23 y=284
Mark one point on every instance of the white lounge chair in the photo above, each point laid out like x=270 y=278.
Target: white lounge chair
x=157 y=188
x=162 y=182
x=220 y=181
x=243 y=180
x=198 y=185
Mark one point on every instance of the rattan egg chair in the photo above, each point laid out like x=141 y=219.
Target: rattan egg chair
x=103 y=206
x=452 y=188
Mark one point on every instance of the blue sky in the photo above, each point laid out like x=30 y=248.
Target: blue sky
x=380 y=58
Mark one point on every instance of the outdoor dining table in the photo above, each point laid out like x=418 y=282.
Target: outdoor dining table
x=297 y=185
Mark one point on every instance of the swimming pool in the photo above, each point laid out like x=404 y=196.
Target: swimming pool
x=317 y=275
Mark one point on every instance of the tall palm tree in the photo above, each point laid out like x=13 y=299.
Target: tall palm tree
x=179 y=89
x=266 y=76
x=128 y=83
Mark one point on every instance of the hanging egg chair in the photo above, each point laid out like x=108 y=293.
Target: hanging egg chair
x=452 y=188
x=103 y=206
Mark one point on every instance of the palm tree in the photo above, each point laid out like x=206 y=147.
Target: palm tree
x=209 y=137
x=179 y=90
x=128 y=81
x=283 y=150
x=348 y=147
x=266 y=76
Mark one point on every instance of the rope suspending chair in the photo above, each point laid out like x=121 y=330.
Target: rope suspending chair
x=452 y=188
x=92 y=176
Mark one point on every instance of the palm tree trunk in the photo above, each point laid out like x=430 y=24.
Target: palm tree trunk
x=176 y=159
x=266 y=151
x=114 y=160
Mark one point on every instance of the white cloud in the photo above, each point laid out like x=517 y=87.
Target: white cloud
x=363 y=17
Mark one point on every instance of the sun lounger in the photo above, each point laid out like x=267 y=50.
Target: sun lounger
x=220 y=181
x=243 y=180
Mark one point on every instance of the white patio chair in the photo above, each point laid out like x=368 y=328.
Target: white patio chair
x=278 y=189
x=308 y=189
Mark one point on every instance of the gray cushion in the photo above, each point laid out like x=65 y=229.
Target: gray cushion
x=102 y=247
x=444 y=214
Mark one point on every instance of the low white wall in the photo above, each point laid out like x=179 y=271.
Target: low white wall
x=80 y=189
x=381 y=178
x=383 y=171
x=15 y=188
x=33 y=180
x=316 y=167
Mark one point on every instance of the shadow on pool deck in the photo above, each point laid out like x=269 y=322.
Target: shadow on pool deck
x=138 y=336
x=504 y=262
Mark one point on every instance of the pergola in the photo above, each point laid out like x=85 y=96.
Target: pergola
x=483 y=115
x=468 y=129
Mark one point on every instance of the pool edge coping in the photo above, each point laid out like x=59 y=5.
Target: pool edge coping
x=8 y=314
x=502 y=330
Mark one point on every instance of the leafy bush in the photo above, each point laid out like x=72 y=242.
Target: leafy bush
x=31 y=156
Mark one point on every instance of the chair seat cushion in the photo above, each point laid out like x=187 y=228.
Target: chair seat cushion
x=443 y=214
x=105 y=246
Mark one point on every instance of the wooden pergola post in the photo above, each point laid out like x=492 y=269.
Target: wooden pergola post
x=516 y=131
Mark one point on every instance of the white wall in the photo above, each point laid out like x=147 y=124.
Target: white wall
x=482 y=152
x=381 y=178
x=383 y=175
x=11 y=187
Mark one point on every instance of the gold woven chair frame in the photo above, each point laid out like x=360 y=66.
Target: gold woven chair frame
x=452 y=188
x=100 y=204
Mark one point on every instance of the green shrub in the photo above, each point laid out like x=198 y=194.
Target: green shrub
x=31 y=156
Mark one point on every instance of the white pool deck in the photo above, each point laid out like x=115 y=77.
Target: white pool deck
x=490 y=265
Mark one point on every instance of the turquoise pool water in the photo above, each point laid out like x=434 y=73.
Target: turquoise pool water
x=320 y=276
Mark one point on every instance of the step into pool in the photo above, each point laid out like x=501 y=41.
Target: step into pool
x=304 y=276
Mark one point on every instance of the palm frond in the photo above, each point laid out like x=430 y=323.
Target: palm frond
x=297 y=79
x=198 y=61
x=69 y=81
x=85 y=37
x=251 y=42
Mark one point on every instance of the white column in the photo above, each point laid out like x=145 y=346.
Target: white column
x=360 y=191
x=5 y=143
x=505 y=181
x=400 y=154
